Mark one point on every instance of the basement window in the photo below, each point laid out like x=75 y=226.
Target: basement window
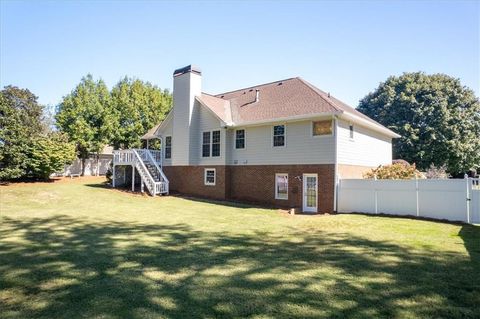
x=281 y=186
x=321 y=128
x=168 y=147
x=210 y=176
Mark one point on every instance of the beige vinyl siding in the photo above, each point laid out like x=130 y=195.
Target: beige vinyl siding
x=301 y=147
x=203 y=120
x=367 y=148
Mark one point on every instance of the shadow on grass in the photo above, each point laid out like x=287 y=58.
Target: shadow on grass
x=63 y=267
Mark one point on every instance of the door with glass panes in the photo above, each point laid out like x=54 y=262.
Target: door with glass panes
x=310 y=193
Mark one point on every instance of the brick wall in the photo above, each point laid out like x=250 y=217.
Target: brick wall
x=254 y=183
x=189 y=180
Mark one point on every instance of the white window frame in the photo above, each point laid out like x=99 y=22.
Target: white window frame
x=244 y=139
x=214 y=176
x=276 y=186
x=325 y=135
x=284 y=135
x=165 y=148
x=219 y=143
x=209 y=145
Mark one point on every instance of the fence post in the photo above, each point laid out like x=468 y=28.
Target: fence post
x=468 y=197
x=416 y=194
x=376 y=195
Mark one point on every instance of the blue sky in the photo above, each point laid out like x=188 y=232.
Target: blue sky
x=343 y=47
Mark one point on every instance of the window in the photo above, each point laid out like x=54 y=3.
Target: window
x=240 y=139
x=351 y=130
x=216 y=143
x=322 y=128
x=210 y=176
x=168 y=147
x=281 y=186
x=206 y=144
x=279 y=135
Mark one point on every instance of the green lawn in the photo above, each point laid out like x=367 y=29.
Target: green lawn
x=81 y=250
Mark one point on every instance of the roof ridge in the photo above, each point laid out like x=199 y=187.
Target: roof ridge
x=315 y=89
x=251 y=87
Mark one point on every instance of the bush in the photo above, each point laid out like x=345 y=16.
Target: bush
x=397 y=170
x=439 y=172
x=49 y=154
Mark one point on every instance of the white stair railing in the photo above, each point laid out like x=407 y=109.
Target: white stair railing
x=138 y=158
x=163 y=186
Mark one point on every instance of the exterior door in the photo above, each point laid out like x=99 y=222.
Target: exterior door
x=310 y=193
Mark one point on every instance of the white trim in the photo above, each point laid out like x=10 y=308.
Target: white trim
x=214 y=177
x=376 y=127
x=165 y=147
x=284 y=135
x=276 y=188
x=209 y=145
x=235 y=139
x=335 y=173
x=324 y=135
x=288 y=118
x=304 y=202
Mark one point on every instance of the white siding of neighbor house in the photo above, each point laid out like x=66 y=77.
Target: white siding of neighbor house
x=301 y=147
x=367 y=148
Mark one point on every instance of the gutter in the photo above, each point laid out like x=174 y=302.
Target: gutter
x=284 y=119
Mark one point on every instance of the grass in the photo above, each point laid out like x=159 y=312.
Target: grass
x=76 y=249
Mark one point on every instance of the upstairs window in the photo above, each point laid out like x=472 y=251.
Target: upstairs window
x=281 y=186
x=168 y=147
x=240 y=139
x=278 y=135
x=216 y=143
x=210 y=176
x=321 y=128
x=351 y=131
x=206 y=144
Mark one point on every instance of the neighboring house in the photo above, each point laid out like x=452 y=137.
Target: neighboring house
x=284 y=143
x=93 y=166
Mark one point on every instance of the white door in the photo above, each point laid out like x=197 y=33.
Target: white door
x=310 y=190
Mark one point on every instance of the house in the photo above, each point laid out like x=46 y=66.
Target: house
x=95 y=164
x=284 y=143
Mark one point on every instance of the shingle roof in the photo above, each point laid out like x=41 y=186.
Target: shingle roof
x=288 y=98
x=151 y=133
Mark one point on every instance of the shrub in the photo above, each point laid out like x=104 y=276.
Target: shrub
x=437 y=172
x=397 y=170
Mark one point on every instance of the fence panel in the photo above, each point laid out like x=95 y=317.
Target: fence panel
x=440 y=199
x=443 y=199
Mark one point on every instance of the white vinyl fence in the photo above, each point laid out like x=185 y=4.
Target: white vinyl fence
x=451 y=199
x=91 y=168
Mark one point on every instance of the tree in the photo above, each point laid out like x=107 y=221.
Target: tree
x=20 y=120
x=87 y=117
x=49 y=153
x=438 y=119
x=138 y=107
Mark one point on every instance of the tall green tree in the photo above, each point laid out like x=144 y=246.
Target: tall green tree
x=20 y=120
x=87 y=117
x=138 y=107
x=437 y=117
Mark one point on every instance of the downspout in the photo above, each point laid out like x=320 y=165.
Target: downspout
x=335 y=188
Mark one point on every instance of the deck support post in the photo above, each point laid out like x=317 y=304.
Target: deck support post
x=141 y=186
x=133 y=178
x=113 y=176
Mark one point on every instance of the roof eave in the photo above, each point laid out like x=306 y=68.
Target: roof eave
x=285 y=119
x=376 y=127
